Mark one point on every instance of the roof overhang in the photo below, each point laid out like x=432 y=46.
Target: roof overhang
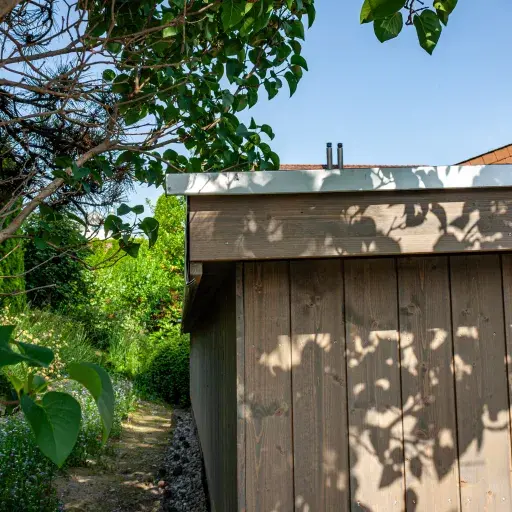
x=346 y=180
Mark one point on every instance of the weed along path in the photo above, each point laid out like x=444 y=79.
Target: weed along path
x=126 y=478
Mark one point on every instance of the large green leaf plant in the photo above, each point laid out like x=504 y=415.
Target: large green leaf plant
x=53 y=416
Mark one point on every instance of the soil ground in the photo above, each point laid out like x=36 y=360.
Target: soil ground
x=125 y=480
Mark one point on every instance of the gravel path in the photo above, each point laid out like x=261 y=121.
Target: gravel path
x=184 y=489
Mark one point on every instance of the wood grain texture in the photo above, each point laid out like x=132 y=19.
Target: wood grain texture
x=430 y=430
x=320 y=433
x=373 y=380
x=506 y=263
x=269 y=457
x=213 y=391
x=240 y=386
x=330 y=225
x=483 y=420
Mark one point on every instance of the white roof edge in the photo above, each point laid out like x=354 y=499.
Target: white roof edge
x=347 y=180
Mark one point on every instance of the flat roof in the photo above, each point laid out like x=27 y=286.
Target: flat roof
x=346 y=180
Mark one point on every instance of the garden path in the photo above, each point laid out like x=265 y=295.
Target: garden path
x=126 y=478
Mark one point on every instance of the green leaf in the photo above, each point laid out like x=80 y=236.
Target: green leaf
x=97 y=382
x=39 y=384
x=275 y=160
x=170 y=32
x=112 y=223
x=292 y=82
x=150 y=227
x=138 y=209
x=242 y=131
x=123 y=209
x=265 y=128
x=378 y=9
x=429 y=30
x=55 y=423
x=8 y=357
x=6 y=334
x=121 y=84
x=443 y=17
x=36 y=355
x=232 y=13
x=299 y=60
x=108 y=75
x=295 y=29
x=388 y=28
x=63 y=162
x=16 y=383
x=311 y=14
x=125 y=157
x=445 y=5
x=227 y=99
x=130 y=248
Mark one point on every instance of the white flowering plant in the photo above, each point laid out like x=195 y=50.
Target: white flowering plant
x=54 y=416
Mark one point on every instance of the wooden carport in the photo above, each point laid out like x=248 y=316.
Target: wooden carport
x=351 y=337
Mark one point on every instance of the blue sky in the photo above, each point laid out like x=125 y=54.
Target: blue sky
x=392 y=103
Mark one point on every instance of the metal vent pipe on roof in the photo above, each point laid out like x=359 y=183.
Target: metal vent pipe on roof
x=340 y=156
x=329 y=155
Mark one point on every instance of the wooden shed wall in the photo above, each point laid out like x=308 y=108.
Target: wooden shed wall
x=375 y=384
x=213 y=387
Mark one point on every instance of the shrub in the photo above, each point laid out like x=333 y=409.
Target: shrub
x=65 y=337
x=12 y=265
x=25 y=473
x=165 y=373
x=54 y=267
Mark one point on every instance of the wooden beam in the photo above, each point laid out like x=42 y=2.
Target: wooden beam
x=231 y=228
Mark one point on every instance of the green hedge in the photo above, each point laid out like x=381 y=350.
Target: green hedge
x=12 y=265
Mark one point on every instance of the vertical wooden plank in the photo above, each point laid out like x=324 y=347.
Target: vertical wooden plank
x=481 y=383
x=240 y=385
x=319 y=386
x=269 y=458
x=373 y=380
x=506 y=265
x=428 y=398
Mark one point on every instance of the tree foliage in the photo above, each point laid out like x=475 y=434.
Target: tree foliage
x=55 y=276
x=92 y=92
x=388 y=18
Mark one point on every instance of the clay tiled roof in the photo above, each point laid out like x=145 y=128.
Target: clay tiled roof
x=307 y=167
x=501 y=155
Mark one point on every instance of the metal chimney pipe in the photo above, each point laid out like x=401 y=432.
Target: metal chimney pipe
x=340 y=156
x=329 y=155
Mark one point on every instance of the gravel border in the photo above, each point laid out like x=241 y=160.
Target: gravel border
x=184 y=484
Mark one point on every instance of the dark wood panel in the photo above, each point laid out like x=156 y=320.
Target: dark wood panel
x=329 y=225
x=506 y=263
x=240 y=385
x=319 y=390
x=483 y=420
x=430 y=430
x=213 y=392
x=268 y=404
x=373 y=380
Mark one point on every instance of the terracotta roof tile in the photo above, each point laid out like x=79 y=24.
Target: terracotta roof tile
x=495 y=156
x=307 y=167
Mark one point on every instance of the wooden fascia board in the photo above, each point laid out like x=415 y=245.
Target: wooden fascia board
x=241 y=228
x=347 y=180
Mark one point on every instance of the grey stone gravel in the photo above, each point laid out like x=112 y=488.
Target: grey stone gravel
x=183 y=471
